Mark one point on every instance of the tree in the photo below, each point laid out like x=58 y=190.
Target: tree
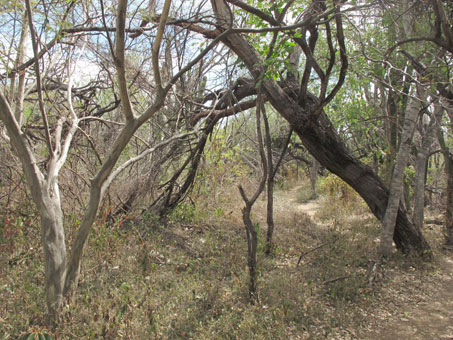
x=62 y=272
x=304 y=111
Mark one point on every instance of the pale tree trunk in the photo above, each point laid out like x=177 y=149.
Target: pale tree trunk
x=53 y=243
x=314 y=177
x=59 y=275
x=397 y=184
x=17 y=96
x=448 y=159
x=423 y=152
x=449 y=208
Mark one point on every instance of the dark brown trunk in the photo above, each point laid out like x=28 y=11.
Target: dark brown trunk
x=322 y=141
x=252 y=245
x=270 y=187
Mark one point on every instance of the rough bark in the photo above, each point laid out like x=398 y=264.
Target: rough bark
x=322 y=141
x=270 y=187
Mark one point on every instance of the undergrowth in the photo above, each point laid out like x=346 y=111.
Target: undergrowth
x=188 y=279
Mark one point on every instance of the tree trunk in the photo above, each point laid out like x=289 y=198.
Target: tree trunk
x=313 y=178
x=448 y=158
x=54 y=247
x=396 y=189
x=449 y=209
x=321 y=139
x=421 y=165
x=270 y=187
x=419 y=188
x=252 y=244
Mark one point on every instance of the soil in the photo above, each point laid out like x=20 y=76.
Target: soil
x=418 y=313
x=415 y=302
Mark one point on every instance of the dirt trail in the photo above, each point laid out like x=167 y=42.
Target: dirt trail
x=420 y=308
x=289 y=198
x=426 y=315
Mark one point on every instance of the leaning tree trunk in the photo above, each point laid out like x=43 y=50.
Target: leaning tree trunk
x=397 y=184
x=321 y=139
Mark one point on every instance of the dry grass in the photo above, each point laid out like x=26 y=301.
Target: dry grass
x=188 y=280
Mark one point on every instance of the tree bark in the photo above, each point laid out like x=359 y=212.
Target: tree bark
x=54 y=247
x=448 y=159
x=421 y=166
x=397 y=186
x=449 y=209
x=313 y=178
x=270 y=187
x=321 y=139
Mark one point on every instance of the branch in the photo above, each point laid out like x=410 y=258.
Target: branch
x=38 y=76
x=157 y=43
x=255 y=11
x=23 y=151
x=316 y=248
x=226 y=112
x=120 y=60
x=135 y=159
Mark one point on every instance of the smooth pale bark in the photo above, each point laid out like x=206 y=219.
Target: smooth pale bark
x=321 y=139
x=60 y=275
x=97 y=189
x=314 y=177
x=18 y=95
x=421 y=162
x=54 y=247
x=45 y=194
x=448 y=159
x=397 y=184
x=449 y=209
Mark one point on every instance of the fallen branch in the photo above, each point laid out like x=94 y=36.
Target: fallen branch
x=316 y=248
x=436 y=222
x=336 y=279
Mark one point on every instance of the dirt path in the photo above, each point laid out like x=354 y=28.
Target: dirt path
x=414 y=305
x=424 y=315
x=289 y=198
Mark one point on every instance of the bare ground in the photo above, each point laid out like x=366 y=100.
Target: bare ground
x=416 y=302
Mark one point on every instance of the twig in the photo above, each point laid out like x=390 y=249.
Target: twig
x=336 y=279
x=316 y=248
x=375 y=271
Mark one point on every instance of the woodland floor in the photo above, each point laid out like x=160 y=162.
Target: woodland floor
x=188 y=279
x=412 y=306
